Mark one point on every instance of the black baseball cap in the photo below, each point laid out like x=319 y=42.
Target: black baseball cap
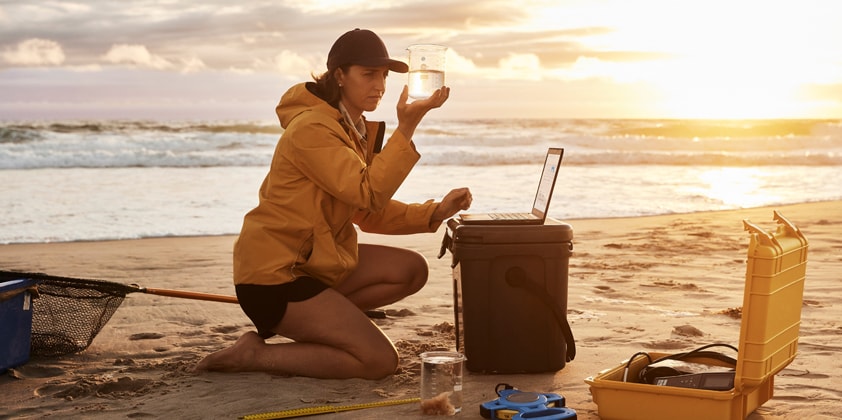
x=362 y=47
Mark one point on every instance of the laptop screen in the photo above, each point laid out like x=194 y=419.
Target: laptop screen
x=548 y=178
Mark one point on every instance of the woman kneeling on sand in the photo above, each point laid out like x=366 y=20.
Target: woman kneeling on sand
x=298 y=269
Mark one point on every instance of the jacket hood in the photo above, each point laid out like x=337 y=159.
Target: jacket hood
x=299 y=99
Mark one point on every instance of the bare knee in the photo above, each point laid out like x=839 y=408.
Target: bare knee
x=381 y=364
x=417 y=271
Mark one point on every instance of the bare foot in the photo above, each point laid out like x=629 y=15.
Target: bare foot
x=234 y=358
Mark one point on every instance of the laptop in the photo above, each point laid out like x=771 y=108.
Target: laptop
x=539 y=207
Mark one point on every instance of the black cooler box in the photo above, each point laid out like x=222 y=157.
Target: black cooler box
x=510 y=295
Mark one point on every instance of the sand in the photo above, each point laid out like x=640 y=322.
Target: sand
x=664 y=283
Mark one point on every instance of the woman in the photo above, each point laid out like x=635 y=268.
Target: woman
x=298 y=269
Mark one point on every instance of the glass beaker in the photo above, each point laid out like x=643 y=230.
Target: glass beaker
x=441 y=382
x=426 y=69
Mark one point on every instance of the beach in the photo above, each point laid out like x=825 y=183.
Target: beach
x=137 y=140
x=662 y=283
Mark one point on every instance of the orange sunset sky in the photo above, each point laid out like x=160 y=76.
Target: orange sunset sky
x=218 y=60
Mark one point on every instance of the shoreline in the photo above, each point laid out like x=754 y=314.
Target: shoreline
x=568 y=220
x=635 y=284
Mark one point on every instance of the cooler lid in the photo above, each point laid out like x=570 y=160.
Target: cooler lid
x=552 y=231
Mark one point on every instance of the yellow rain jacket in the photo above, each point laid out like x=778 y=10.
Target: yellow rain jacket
x=319 y=186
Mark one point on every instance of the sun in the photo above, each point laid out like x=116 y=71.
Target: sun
x=722 y=59
x=734 y=64
x=725 y=87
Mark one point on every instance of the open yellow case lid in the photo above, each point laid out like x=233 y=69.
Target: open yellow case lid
x=772 y=300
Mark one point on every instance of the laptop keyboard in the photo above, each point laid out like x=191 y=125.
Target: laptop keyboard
x=509 y=216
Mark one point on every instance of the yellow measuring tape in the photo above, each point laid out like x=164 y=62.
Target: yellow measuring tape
x=301 y=412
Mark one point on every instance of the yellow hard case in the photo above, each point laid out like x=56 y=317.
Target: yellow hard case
x=771 y=317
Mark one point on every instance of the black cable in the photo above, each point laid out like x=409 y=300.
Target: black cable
x=628 y=364
x=504 y=386
x=700 y=352
x=648 y=371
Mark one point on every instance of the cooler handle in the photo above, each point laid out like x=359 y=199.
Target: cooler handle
x=447 y=245
x=516 y=277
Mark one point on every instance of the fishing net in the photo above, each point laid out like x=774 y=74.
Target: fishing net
x=68 y=313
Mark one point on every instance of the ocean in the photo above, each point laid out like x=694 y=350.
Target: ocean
x=101 y=180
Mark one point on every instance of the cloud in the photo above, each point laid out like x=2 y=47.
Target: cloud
x=521 y=67
x=456 y=63
x=590 y=68
x=322 y=7
x=562 y=44
x=136 y=55
x=35 y=52
x=290 y=63
x=192 y=65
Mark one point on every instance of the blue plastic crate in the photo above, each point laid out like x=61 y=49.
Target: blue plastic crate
x=15 y=322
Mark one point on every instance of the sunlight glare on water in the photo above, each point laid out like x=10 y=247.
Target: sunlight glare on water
x=738 y=187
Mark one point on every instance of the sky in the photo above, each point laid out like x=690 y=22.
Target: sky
x=218 y=60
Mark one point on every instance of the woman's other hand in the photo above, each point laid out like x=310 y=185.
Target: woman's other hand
x=456 y=200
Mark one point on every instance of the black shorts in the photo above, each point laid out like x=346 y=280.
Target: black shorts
x=266 y=305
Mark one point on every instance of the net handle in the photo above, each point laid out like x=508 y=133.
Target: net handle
x=190 y=295
x=126 y=288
